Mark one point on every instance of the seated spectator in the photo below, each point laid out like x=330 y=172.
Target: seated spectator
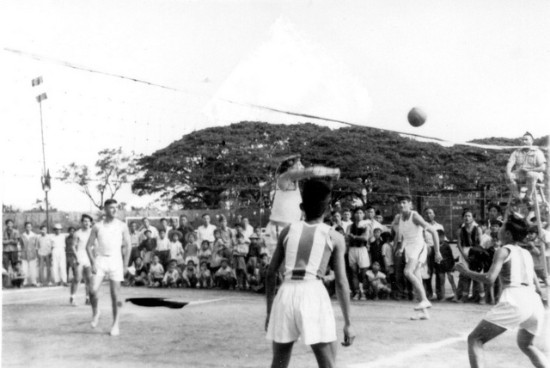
x=205 y=276
x=225 y=277
x=240 y=251
x=205 y=252
x=137 y=273
x=378 y=285
x=176 y=249
x=445 y=267
x=191 y=249
x=172 y=277
x=148 y=247
x=18 y=276
x=156 y=273
x=189 y=275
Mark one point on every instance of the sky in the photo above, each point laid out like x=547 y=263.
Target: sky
x=478 y=69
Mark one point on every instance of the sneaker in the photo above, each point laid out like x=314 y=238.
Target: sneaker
x=71 y=301
x=423 y=305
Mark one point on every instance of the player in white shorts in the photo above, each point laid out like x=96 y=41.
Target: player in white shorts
x=409 y=227
x=83 y=269
x=520 y=303
x=287 y=198
x=113 y=241
x=302 y=306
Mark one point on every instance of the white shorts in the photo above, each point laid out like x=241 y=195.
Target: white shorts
x=518 y=307
x=109 y=266
x=359 y=256
x=417 y=252
x=302 y=308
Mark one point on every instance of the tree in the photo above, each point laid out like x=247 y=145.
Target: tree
x=113 y=170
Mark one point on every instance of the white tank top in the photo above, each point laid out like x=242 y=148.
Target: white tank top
x=517 y=269
x=109 y=238
x=286 y=205
x=412 y=234
x=81 y=242
x=307 y=251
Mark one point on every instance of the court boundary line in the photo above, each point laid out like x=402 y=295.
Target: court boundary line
x=417 y=350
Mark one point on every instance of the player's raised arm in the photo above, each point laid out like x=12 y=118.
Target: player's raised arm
x=309 y=172
x=271 y=276
x=342 y=284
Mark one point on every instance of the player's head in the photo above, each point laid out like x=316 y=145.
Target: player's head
x=514 y=229
x=110 y=208
x=292 y=161
x=86 y=221
x=527 y=139
x=316 y=196
x=404 y=201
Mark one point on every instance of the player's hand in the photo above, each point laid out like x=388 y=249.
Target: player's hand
x=349 y=336
x=438 y=257
x=94 y=269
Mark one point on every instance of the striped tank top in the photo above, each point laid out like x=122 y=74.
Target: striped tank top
x=412 y=234
x=517 y=269
x=307 y=251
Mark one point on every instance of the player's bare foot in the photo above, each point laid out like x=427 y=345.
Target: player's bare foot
x=423 y=305
x=114 y=330
x=95 y=320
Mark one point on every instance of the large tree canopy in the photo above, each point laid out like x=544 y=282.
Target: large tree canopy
x=237 y=163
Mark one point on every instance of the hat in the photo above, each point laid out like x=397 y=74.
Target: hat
x=178 y=233
x=57 y=226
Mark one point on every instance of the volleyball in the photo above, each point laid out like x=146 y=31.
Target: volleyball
x=416 y=117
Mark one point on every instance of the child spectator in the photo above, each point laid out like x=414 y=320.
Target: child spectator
x=148 y=247
x=375 y=249
x=491 y=245
x=387 y=267
x=191 y=249
x=176 y=249
x=172 y=277
x=137 y=273
x=254 y=251
x=261 y=240
x=205 y=253
x=18 y=276
x=378 y=285
x=221 y=250
x=239 y=260
x=205 y=276
x=189 y=275
x=225 y=277
x=445 y=267
x=156 y=273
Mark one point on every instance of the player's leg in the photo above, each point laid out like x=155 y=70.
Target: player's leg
x=413 y=273
x=325 y=353
x=87 y=276
x=484 y=331
x=117 y=304
x=525 y=343
x=77 y=278
x=94 y=296
x=281 y=354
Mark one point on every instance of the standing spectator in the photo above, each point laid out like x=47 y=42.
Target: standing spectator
x=45 y=245
x=10 y=242
x=191 y=249
x=240 y=252
x=135 y=241
x=468 y=236
x=254 y=251
x=185 y=228
x=346 y=220
x=165 y=226
x=189 y=275
x=83 y=267
x=156 y=273
x=375 y=249
x=70 y=254
x=387 y=253
x=59 y=261
x=29 y=255
x=491 y=245
x=148 y=227
x=337 y=223
x=370 y=216
x=176 y=249
x=172 y=277
x=205 y=276
x=225 y=277
x=445 y=267
x=378 y=285
x=494 y=213
x=206 y=230
x=163 y=249
x=248 y=229
x=148 y=247
x=358 y=254
x=226 y=233
x=429 y=216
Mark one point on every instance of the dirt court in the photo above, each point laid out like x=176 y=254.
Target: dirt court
x=226 y=329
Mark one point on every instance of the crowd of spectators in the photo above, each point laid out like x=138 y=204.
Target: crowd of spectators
x=177 y=255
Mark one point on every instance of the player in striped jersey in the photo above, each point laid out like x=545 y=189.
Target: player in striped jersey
x=302 y=306
x=519 y=305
